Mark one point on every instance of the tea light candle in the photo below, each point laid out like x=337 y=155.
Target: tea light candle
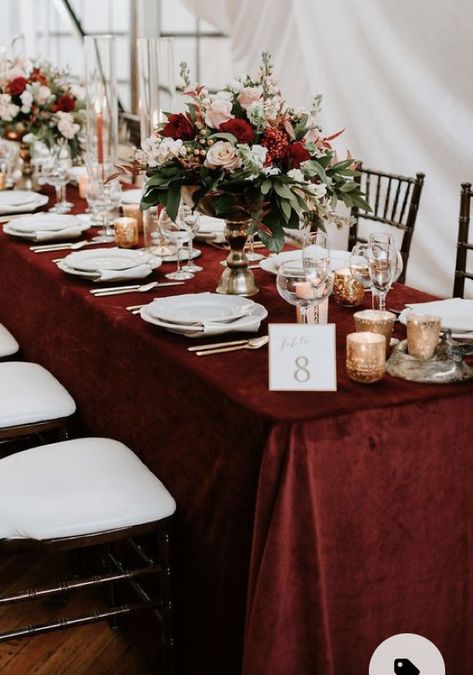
x=83 y=182
x=366 y=356
x=376 y=321
x=347 y=291
x=126 y=232
x=423 y=332
x=134 y=211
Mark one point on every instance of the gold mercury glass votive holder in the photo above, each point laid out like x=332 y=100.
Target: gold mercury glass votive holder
x=375 y=321
x=423 y=333
x=347 y=291
x=134 y=211
x=366 y=356
x=126 y=232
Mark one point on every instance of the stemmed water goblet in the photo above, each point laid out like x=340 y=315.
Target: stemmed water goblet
x=102 y=199
x=360 y=265
x=55 y=173
x=382 y=269
x=305 y=284
x=191 y=219
x=178 y=233
x=315 y=245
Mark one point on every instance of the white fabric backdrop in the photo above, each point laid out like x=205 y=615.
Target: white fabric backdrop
x=396 y=74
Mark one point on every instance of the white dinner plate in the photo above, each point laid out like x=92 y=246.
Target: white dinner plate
x=46 y=221
x=191 y=330
x=22 y=206
x=338 y=259
x=69 y=233
x=196 y=308
x=17 y=197
x=107 y=259
x=132 y=196
x=128 y=275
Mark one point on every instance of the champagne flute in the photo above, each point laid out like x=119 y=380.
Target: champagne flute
x=382 y=268
x=178 y=233
x=387 y=240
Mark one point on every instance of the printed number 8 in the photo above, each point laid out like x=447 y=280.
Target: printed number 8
x=301 y=374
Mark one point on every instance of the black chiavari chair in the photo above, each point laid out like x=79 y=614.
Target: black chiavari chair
x=463 y=245
x=394 y=201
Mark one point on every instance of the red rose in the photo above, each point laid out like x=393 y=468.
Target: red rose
x=17 y=86
x=177 y=127
x=241 y=129
x=64 y=103
x=296 y=154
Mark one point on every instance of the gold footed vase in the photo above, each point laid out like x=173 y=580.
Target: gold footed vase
x=27 y=169
x=237 y=279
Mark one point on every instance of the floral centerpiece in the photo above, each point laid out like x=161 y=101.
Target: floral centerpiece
x=243 y=155
x=39 y=103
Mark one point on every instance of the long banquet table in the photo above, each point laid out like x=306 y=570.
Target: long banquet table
x=310 y=526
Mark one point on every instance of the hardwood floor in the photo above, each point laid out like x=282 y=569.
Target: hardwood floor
x=95 y=649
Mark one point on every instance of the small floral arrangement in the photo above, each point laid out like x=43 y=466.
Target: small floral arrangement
x=242 y=154
x=39 y=103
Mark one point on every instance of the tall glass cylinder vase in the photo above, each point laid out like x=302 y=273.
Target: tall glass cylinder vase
x=157 y=85
x=102 y=104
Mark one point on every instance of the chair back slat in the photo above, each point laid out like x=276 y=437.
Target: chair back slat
x=463 y=245
x=396 y=202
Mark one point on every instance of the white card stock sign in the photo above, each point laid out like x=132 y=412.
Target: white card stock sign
x=302 y=357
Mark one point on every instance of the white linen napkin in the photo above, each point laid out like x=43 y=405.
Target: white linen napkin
x=138 y=272
x=211 y=228
x=57 y=235
x=247 y=324
x=454 y=313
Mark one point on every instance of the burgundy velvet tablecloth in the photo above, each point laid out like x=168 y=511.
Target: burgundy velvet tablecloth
x=310 y=526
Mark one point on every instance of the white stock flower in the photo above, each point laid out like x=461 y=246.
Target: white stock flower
x=77 y=91
x=26 y=101
x=156 y=151
x=42 y=95
x=272 y=106
x=223 y=96
x=235 y=86
x=8 y=110
x=258 y=154
x=222 y=155
x=256 y=114
x=66 y=125
x=271 y=171
x=317 y=189
x=296 y=174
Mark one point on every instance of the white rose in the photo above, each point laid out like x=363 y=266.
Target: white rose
x=223 y=96
x=42 y=95
x=222 y=155
x=235 y=85
x=8 y=110
x=218 y=112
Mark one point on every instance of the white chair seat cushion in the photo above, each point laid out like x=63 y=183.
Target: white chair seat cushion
x=29 y=393
x=8 y=344
x=77 y=487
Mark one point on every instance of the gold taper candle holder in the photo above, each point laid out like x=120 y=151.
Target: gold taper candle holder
x=423 y=333
x=126 y=232
x=375 y=321
x=347 y=291
x=366 y=356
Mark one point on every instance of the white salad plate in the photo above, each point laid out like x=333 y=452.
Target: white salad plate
x=196 y=308
x=107 y=259
x=132 y=196
x=43 y=221
x=338 y=259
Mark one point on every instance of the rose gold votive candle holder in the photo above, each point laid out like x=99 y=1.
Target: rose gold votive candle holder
x=134 y=211
x=347 y=291
x=366 y=356
x=83 y=182
x=375 y=321
x=423 y=333
x=126 y=232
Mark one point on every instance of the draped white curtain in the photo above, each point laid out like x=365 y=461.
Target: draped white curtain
x=396 y=74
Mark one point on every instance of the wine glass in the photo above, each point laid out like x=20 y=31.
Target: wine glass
x=359 y=264
x=382 y=268
x=383 y=238
x=178 y=233
x=192 y=220
x=250 y=253
x=304 y=285
x=64 y=159
x=99 y=197
x=55 y=174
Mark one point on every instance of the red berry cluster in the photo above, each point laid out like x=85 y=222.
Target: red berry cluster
x=276 y=142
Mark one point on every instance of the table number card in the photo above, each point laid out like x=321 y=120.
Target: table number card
x=302 y=357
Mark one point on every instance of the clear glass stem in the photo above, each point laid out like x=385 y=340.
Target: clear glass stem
x=178 y=256
x=378 y=299
x=58 y=195
x=302 y=315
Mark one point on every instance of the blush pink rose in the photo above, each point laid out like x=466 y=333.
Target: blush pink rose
x=249 y=95
x=218 y=112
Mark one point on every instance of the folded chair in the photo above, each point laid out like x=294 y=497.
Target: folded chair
x=463 y=246
x=394 y=201
x=82 y=493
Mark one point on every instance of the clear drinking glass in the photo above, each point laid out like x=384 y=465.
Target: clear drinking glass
x=316 y=245
x=382 y=268
x=65 y=160
x=251 y=253
x=359 y=264
x=101 y=203
x=55 y=174
x=304 y=285
x=192 y=221
x=178 y=233
x=384 y=237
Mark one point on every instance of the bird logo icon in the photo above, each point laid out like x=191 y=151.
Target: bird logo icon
x=405 y=667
